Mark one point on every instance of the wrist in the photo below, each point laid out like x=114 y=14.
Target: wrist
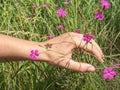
x=30 y=48
x=42 y=51
x=19 y=48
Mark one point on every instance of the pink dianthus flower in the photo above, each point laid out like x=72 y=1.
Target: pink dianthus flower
x=109 y=73
x=51 y=36
x=34 y=6
x=66 y=3
x=60 y=27
x=61 y=12
x=56 y=5
x=77 y=30
x=88 y=37
x=99 y=15
x=105 y=4
x=34 y=54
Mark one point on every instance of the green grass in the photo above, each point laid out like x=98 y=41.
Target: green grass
x=28 y=75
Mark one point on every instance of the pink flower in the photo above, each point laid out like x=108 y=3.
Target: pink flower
x=103 y=0
x=88 y=37
x=66 y=3
x=34 y=54
x=77 y=30
x=109 y=73
x=99 y=15
x=105 y=3
x=51 y=36
x=33 y=15
x=16 y=4
x=116 y=66
x=34 y=6
x=44 y=5
x=56 y=5
x=61 y=12
x=60 y=27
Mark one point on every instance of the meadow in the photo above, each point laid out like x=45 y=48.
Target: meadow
x=30 y=20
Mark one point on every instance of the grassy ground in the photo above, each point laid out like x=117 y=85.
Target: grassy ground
x=26 y=75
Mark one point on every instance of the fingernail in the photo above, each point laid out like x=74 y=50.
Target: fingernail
x=102 y=60
x=103 y=56
x=91 y=69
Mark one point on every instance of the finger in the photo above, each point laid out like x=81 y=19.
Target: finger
x=76 y=66
x=97 y=46
x=91 y=47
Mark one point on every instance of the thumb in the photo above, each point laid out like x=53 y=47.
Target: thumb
x=77 y=66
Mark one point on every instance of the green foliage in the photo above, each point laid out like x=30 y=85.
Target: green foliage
x=26 y=75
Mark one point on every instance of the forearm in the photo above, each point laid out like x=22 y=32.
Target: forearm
x=14 y=47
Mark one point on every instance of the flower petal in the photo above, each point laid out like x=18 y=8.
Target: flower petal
x=105 y=76
x=105 y=71
x=111 y=77
x=109 y=69
x=113 y=73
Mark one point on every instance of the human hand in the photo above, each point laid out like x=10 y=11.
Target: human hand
x=59 y=51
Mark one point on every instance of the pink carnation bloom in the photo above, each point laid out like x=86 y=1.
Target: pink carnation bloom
x=33 y=15
x=103 y=0
x=99 y=15
x=61 y=12
x=60 y=27
x=116 y=66
x=51 y=36
x=56 y=5
x=109 y=73
x=105 y=4
x=34 y=54
x=44 y=5
x=34 y=6
x=66 y=3
x=77 y=30
x=88 y=37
